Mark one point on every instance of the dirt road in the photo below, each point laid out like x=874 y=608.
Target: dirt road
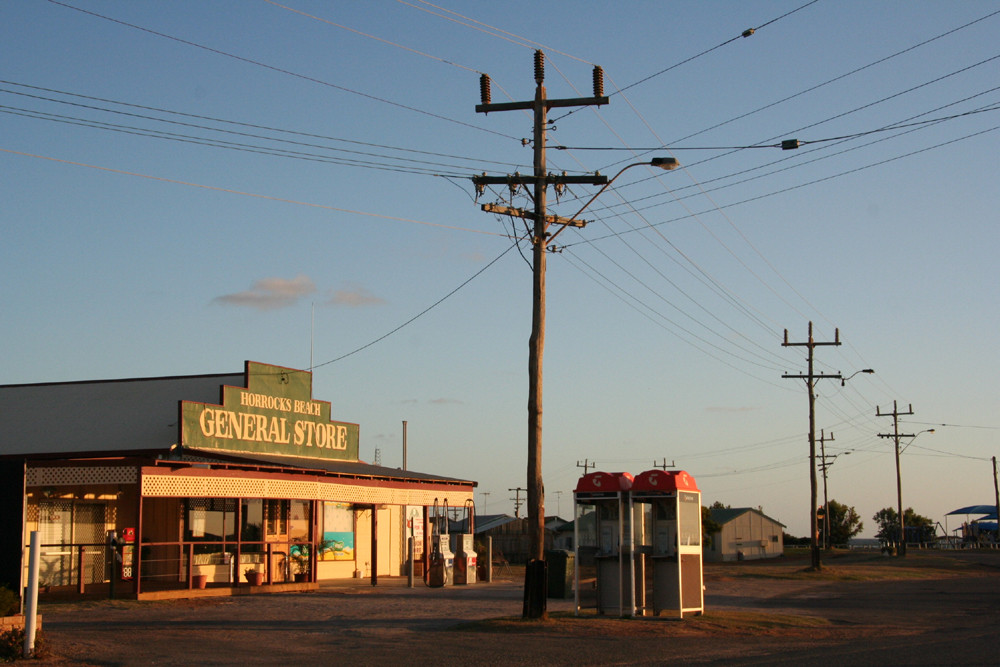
x=862 y=610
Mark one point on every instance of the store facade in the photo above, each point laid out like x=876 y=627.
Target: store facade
x=214 y=482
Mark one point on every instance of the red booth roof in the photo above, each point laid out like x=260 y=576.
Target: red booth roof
x=604 y=482
x=666 y=481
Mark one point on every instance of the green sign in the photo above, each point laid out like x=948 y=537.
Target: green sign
x=273 y=414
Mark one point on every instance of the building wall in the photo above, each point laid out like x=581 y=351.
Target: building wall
x=751 y=534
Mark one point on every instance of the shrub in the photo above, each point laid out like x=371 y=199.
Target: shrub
x=9 y=602
x=12 y=645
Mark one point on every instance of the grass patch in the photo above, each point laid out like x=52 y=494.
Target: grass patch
x=716 y=623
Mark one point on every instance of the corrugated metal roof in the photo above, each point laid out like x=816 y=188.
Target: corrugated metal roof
x=723 y=515
x=101 y=415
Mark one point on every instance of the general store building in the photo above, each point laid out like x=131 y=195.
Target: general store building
x=220 y=481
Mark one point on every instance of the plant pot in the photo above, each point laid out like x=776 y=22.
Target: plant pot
x=199 y=581
x=255 y=578
x=301 y=577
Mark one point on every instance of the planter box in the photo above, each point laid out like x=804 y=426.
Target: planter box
x=16 y=622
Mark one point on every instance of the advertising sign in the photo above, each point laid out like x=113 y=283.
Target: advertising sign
x=273 y=414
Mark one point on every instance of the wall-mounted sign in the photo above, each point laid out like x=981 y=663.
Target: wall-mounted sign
x=273 y=414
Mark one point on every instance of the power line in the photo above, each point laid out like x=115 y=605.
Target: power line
x=420 y=314
x=280 y=70
x=245 y=194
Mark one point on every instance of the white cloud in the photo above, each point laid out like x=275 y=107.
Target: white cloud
x=353 y=296
x=270 y=293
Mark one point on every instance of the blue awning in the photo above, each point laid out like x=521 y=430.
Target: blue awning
x=989 y=510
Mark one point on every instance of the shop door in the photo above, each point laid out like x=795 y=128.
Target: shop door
x=89 y=529
x=55 y=527
x=276 y=535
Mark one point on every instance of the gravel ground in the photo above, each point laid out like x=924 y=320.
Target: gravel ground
x=861 y=611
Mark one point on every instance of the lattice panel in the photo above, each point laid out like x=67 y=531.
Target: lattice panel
x=80 y=475
x=221 y=487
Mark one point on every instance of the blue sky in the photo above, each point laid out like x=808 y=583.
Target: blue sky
x=188 y=185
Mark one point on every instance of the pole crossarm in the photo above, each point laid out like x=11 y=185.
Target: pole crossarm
x=550 y=179
x=549 y=104
x=530 y=215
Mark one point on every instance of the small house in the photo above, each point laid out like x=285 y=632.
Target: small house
x=747 y=534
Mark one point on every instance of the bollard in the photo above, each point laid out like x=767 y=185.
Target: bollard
x=410 y=554
x=31 y=601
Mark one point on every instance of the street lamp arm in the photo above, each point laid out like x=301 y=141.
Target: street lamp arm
x=843 y=381
x=666 y=163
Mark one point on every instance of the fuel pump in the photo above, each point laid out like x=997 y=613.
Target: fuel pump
x=440 y=571
x=465 y=548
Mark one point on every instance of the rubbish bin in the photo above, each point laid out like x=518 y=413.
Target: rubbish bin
x=561 y=567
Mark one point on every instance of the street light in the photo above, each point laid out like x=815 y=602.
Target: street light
x=665 y=163
x=843 y=381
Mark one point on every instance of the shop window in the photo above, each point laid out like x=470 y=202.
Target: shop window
x=252 y=529
x=298 y=520
x=276 y=518
x=337 y=530
x=210 y=520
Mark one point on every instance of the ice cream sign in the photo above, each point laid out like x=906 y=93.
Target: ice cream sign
x=273 y=414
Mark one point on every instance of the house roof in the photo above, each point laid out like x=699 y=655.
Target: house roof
x=723 y=515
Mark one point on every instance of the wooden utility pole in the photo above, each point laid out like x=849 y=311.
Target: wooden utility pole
x=897 y=436
x=586 y=465
x=535 y=575
x=517 y=501
x=810 y=378
x=996 y=494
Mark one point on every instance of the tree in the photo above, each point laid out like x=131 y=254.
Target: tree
x=844 y=523
x=918 y=528
x=709 y=526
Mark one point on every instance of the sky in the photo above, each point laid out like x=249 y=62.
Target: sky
x=189 y=185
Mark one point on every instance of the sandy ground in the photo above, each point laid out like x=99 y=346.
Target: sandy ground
x=863 y=609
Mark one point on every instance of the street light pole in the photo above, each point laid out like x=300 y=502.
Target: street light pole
x=810 y=379
x=534 y=581
x=896 y=436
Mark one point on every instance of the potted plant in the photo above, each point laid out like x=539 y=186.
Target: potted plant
x=300 y=558
x=253 y=576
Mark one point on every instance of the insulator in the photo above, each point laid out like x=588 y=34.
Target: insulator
x=539 y=67
x=484 y=88
x=598 y=81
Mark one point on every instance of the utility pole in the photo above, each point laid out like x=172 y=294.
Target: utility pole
x=535 y=584
x=826 y=503
x=663 y=466
x=586 y=465
x=517 y=501
x=896 y=435
x=811 y=377
x=996 y=494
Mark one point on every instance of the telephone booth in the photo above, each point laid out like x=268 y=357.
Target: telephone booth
x=601 y=502
x=673 y=579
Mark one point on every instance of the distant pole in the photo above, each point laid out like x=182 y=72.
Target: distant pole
x=404 y=444
x=896 y=436
x=826 y=502
x=810 y=378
